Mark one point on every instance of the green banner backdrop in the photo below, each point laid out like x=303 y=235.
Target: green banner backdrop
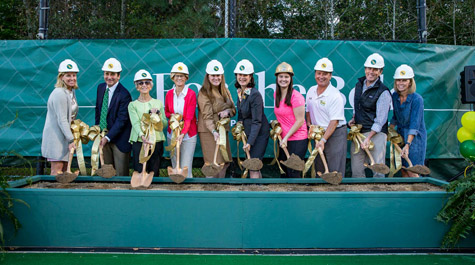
x=28 y=72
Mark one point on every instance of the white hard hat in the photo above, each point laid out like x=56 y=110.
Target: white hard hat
x=142 y=75
x=68 y=66
x=214 y=67
x=374 y=61
x=180 y=68
x=404 y=71
x=324 y=65
x=244 y=67
x=112 y=65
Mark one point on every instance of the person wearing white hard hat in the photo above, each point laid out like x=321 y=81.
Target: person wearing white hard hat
x=214 y=103
x=182 y=100
x=372 y=102
x=146 y=104
x=112 y=114
x=325 y=108
x=289 y=111
x=408 y=117
x=62 y=109
x=250 y=107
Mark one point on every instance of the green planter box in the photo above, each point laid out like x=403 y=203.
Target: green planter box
x=247 y=220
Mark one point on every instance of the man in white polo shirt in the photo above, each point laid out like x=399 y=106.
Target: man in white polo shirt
x=325 y=108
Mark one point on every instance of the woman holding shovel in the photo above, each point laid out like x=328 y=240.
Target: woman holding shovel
x=290 y=113
x=182 y=100
x=215 y=105
x=61 y=111
x=251 y=113
x=408 y=107
x=145 y=104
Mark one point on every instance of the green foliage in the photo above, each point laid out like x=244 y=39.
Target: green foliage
x=6 y=201
x=459 y=211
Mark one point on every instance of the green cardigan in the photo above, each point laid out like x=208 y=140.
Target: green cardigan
x=136 y=110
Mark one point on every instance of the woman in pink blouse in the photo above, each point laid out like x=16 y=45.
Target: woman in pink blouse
x=182 y=100
x=290 y=112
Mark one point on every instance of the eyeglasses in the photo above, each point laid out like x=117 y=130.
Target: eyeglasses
x=179 y=76
x=141 y=83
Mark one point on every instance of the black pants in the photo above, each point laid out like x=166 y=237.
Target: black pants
x=299 y=148
x=153 y=164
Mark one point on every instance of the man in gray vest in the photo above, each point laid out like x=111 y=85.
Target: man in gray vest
x=372 y=102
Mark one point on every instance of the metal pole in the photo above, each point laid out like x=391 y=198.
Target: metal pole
x=232 y=22
x=226 y=17
x=422 y=24
x=43 y=20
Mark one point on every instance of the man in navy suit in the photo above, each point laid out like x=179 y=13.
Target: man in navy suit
x=112 y=103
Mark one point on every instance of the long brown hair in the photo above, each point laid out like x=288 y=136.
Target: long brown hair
x=206 y=90
x=278 y=92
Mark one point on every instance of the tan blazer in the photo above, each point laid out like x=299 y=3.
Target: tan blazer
x=208 y=112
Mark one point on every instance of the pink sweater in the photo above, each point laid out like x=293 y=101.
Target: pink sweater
x=189 y=116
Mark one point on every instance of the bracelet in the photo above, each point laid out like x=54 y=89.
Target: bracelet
x=324 y=140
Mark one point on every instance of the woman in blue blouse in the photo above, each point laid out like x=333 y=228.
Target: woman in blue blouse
x=409 y=117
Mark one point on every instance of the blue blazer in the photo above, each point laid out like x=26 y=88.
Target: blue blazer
x=118 y=121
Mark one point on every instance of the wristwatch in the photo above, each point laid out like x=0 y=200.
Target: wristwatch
x=408 y=143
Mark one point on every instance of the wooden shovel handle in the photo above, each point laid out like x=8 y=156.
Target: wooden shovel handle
x=406 y=158
x=216 y=149
x=246 y=150
x=322 y=156
x=178 y=155
x=101 y=155
x=284 y=148
x=365 y=149
x=70 y=161
x=144 y=165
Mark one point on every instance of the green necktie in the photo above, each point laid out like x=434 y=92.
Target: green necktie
x=104 y=109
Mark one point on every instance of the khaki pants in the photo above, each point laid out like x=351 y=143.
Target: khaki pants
x=378 y=153
x=120 y=161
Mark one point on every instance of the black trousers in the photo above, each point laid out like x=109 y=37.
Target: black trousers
x=153 y=164
x=299 y=148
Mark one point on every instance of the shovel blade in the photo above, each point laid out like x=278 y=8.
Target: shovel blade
x=211 y=169
x=294 y=162
x=419 y=169
x=378 y=168
x=147 y=179
x=106 y=171
x=136 y=179
x=334 y=177
x=252 y=164
x=67 y=177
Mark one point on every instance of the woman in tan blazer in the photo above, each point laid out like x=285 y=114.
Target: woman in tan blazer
x=214 y=102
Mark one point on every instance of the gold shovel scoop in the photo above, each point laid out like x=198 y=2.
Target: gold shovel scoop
x=418 y=169
x=142 y=179
x=106 y=170
x=212 y=169
x=334 y=177
x=177 y=175
x=68 y=176
x=379 y=168
x=251 y=163
x=293 y=161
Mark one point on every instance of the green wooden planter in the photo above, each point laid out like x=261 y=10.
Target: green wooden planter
x=205 y=219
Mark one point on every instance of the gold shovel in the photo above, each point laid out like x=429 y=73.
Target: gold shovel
x=330 y=177
x=178 y=175
x=418 y=169
x=251 y=163
x=293 y=161
x=212 y=169
x=106 y=170
x=142 y=179
x=379 y=168
x=68 y=176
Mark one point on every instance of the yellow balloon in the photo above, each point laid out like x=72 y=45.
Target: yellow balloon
x=463 y=134
x=468 y=121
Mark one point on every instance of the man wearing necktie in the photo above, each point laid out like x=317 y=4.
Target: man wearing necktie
x=112 y=114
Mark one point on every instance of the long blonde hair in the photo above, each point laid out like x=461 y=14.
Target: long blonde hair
x=60 y=82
